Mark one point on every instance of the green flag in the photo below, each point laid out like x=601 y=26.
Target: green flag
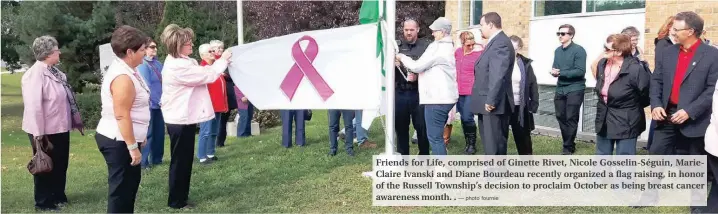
x=369 y=13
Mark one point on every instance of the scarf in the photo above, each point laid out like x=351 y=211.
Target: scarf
x=75 y=112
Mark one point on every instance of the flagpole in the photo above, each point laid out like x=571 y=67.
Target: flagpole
x=240 y=23
x=389 y=54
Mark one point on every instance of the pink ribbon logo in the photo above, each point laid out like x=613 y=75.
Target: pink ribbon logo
x=303 y=66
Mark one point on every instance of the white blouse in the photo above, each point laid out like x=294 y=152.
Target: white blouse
x=140 y=111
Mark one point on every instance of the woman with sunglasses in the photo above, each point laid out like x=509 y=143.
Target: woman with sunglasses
x=622 y=87
x=151 y=71
x=466 y=57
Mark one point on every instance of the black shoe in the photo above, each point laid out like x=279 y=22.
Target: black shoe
x=206 y=162
x=470 y=136
x=46 y=209
x=567 y=153
x=214 y=158
x=350 y=152
x=332 y=153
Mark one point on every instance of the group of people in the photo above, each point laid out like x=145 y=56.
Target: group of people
x=140 y=96
x=486 y=77
x=496 y=83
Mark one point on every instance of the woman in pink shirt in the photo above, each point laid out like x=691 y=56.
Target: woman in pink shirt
x=185 y=102
x=49 y=112
x=466 y=57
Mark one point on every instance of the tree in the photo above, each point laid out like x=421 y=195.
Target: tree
x=79 y=28
x=208 y=24
x=277 y=18
x=9 y=40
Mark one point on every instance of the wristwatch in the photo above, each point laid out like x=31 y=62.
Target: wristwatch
x=133 y=146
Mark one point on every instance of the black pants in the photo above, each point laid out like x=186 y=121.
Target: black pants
x=408 y=110
x=668 y=139
x=522 y=133
x=222 y=134
x=494 y=131
x=50 y=187
x=568 y=110
x=123 y=179
x=182 y=152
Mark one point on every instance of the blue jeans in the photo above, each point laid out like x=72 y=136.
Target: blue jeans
x=155 y=147
x=623 y=146
x=467 y=118
x=334 y=129
x=361 y=133
x=207 y=136
x=290 y=117
x=244 y=125
x=436 y=116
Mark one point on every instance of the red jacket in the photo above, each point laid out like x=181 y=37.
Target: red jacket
x=218 y=93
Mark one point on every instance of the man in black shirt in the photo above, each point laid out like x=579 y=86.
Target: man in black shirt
x=407 y=93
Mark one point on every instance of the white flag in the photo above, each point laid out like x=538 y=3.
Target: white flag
x=323 y=69
x=107 y=56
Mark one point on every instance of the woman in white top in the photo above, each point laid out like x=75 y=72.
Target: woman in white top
x=525 y=91
x=437 y=82
x=125 y=117
x=185 y=102
x=711 y=147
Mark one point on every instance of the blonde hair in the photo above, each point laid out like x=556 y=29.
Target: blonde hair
x=174 y=37
x=465 y=36
x=204 y=50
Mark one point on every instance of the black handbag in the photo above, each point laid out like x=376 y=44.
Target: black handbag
x=308 y=115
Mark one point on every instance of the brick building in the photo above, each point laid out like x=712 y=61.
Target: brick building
x=536 y=22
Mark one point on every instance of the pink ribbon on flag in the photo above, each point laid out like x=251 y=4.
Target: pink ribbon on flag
x=303 y=66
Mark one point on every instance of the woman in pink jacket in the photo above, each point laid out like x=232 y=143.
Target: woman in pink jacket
x=466 y=57
x=49 y=112
x=185 y=102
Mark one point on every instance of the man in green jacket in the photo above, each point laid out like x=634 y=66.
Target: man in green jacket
x=569 y=66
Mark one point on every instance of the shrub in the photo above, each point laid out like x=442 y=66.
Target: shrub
x=267 y=118
x=90 y=107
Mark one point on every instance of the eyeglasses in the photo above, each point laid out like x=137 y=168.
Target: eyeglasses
x=677 y=30
x=562 y=33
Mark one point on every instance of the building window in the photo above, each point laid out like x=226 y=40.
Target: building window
x=552 y=7
x=605 y=5
x=548 y=7
x=476 y=11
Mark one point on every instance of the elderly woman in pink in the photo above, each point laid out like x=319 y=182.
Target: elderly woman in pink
x=466 y=57
x=50 y=112
x=185 y=102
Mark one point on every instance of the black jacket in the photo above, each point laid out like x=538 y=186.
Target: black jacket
x=529 y=93
x=660 y=45
x=622 y=117
x=492 y=74
x=696 y=88
x=413 y=51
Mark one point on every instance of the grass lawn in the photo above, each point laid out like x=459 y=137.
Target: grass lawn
x=253 y=174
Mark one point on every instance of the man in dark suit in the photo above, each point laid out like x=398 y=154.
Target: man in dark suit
x=681 y=90
x=492 y=96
